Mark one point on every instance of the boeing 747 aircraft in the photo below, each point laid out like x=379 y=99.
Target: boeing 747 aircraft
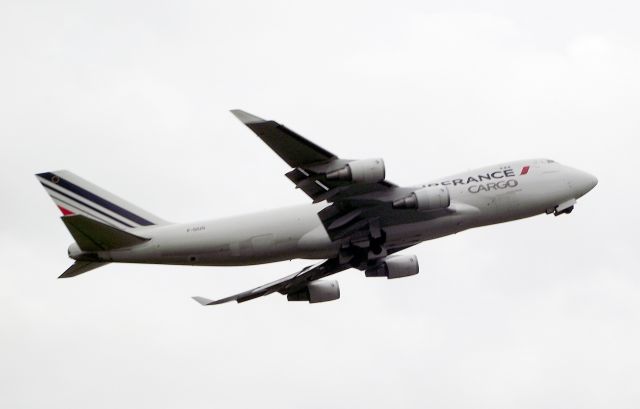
x=358 y=219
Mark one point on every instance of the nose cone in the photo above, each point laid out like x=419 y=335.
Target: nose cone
x=583 y=182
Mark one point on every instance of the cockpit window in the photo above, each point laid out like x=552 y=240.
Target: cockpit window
x=551 y=161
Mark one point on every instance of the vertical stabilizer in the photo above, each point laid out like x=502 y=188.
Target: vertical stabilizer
x=74 y=195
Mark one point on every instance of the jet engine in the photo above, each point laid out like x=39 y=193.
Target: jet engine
x=427 y=198
x=317 y=291
x=360 y=171
x=394 y=267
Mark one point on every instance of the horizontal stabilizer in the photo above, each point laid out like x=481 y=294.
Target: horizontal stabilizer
x=80 y=267
x=92 y=235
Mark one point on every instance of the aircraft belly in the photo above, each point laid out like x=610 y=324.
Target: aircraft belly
x=462 y=216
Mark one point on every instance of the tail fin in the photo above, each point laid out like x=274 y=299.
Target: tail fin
x=76 y=196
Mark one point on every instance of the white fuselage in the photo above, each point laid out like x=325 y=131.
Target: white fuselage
x=480 y=197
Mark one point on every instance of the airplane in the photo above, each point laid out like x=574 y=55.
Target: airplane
x=357 y=218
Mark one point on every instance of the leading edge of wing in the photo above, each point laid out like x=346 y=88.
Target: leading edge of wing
x=283 y=285
x=294 y=149
x=265 y=289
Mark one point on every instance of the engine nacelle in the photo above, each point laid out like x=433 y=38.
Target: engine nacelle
x=317 y=291
x=395 y=267
x=360 y=171
x=427 y=198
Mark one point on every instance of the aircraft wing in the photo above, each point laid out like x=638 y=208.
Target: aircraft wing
x=310 y=162
x=285 y=285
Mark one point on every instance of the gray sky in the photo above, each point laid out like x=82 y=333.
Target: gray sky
x=134 y=96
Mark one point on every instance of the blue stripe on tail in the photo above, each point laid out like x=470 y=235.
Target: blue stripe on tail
x=49 y=188
x=55 y=179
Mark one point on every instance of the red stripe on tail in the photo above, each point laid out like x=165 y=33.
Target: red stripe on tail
x=64 y=211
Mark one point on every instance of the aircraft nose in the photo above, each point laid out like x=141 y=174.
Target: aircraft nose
x=583 y=182
x=593 y=181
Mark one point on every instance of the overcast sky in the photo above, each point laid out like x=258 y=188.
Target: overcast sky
x=134 y=96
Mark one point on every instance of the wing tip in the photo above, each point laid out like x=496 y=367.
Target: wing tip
x=246 y=118
x=203 y=301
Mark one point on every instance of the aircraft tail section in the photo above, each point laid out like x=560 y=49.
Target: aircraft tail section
x=76 y=196
x=98 y=220
x=92 y=237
